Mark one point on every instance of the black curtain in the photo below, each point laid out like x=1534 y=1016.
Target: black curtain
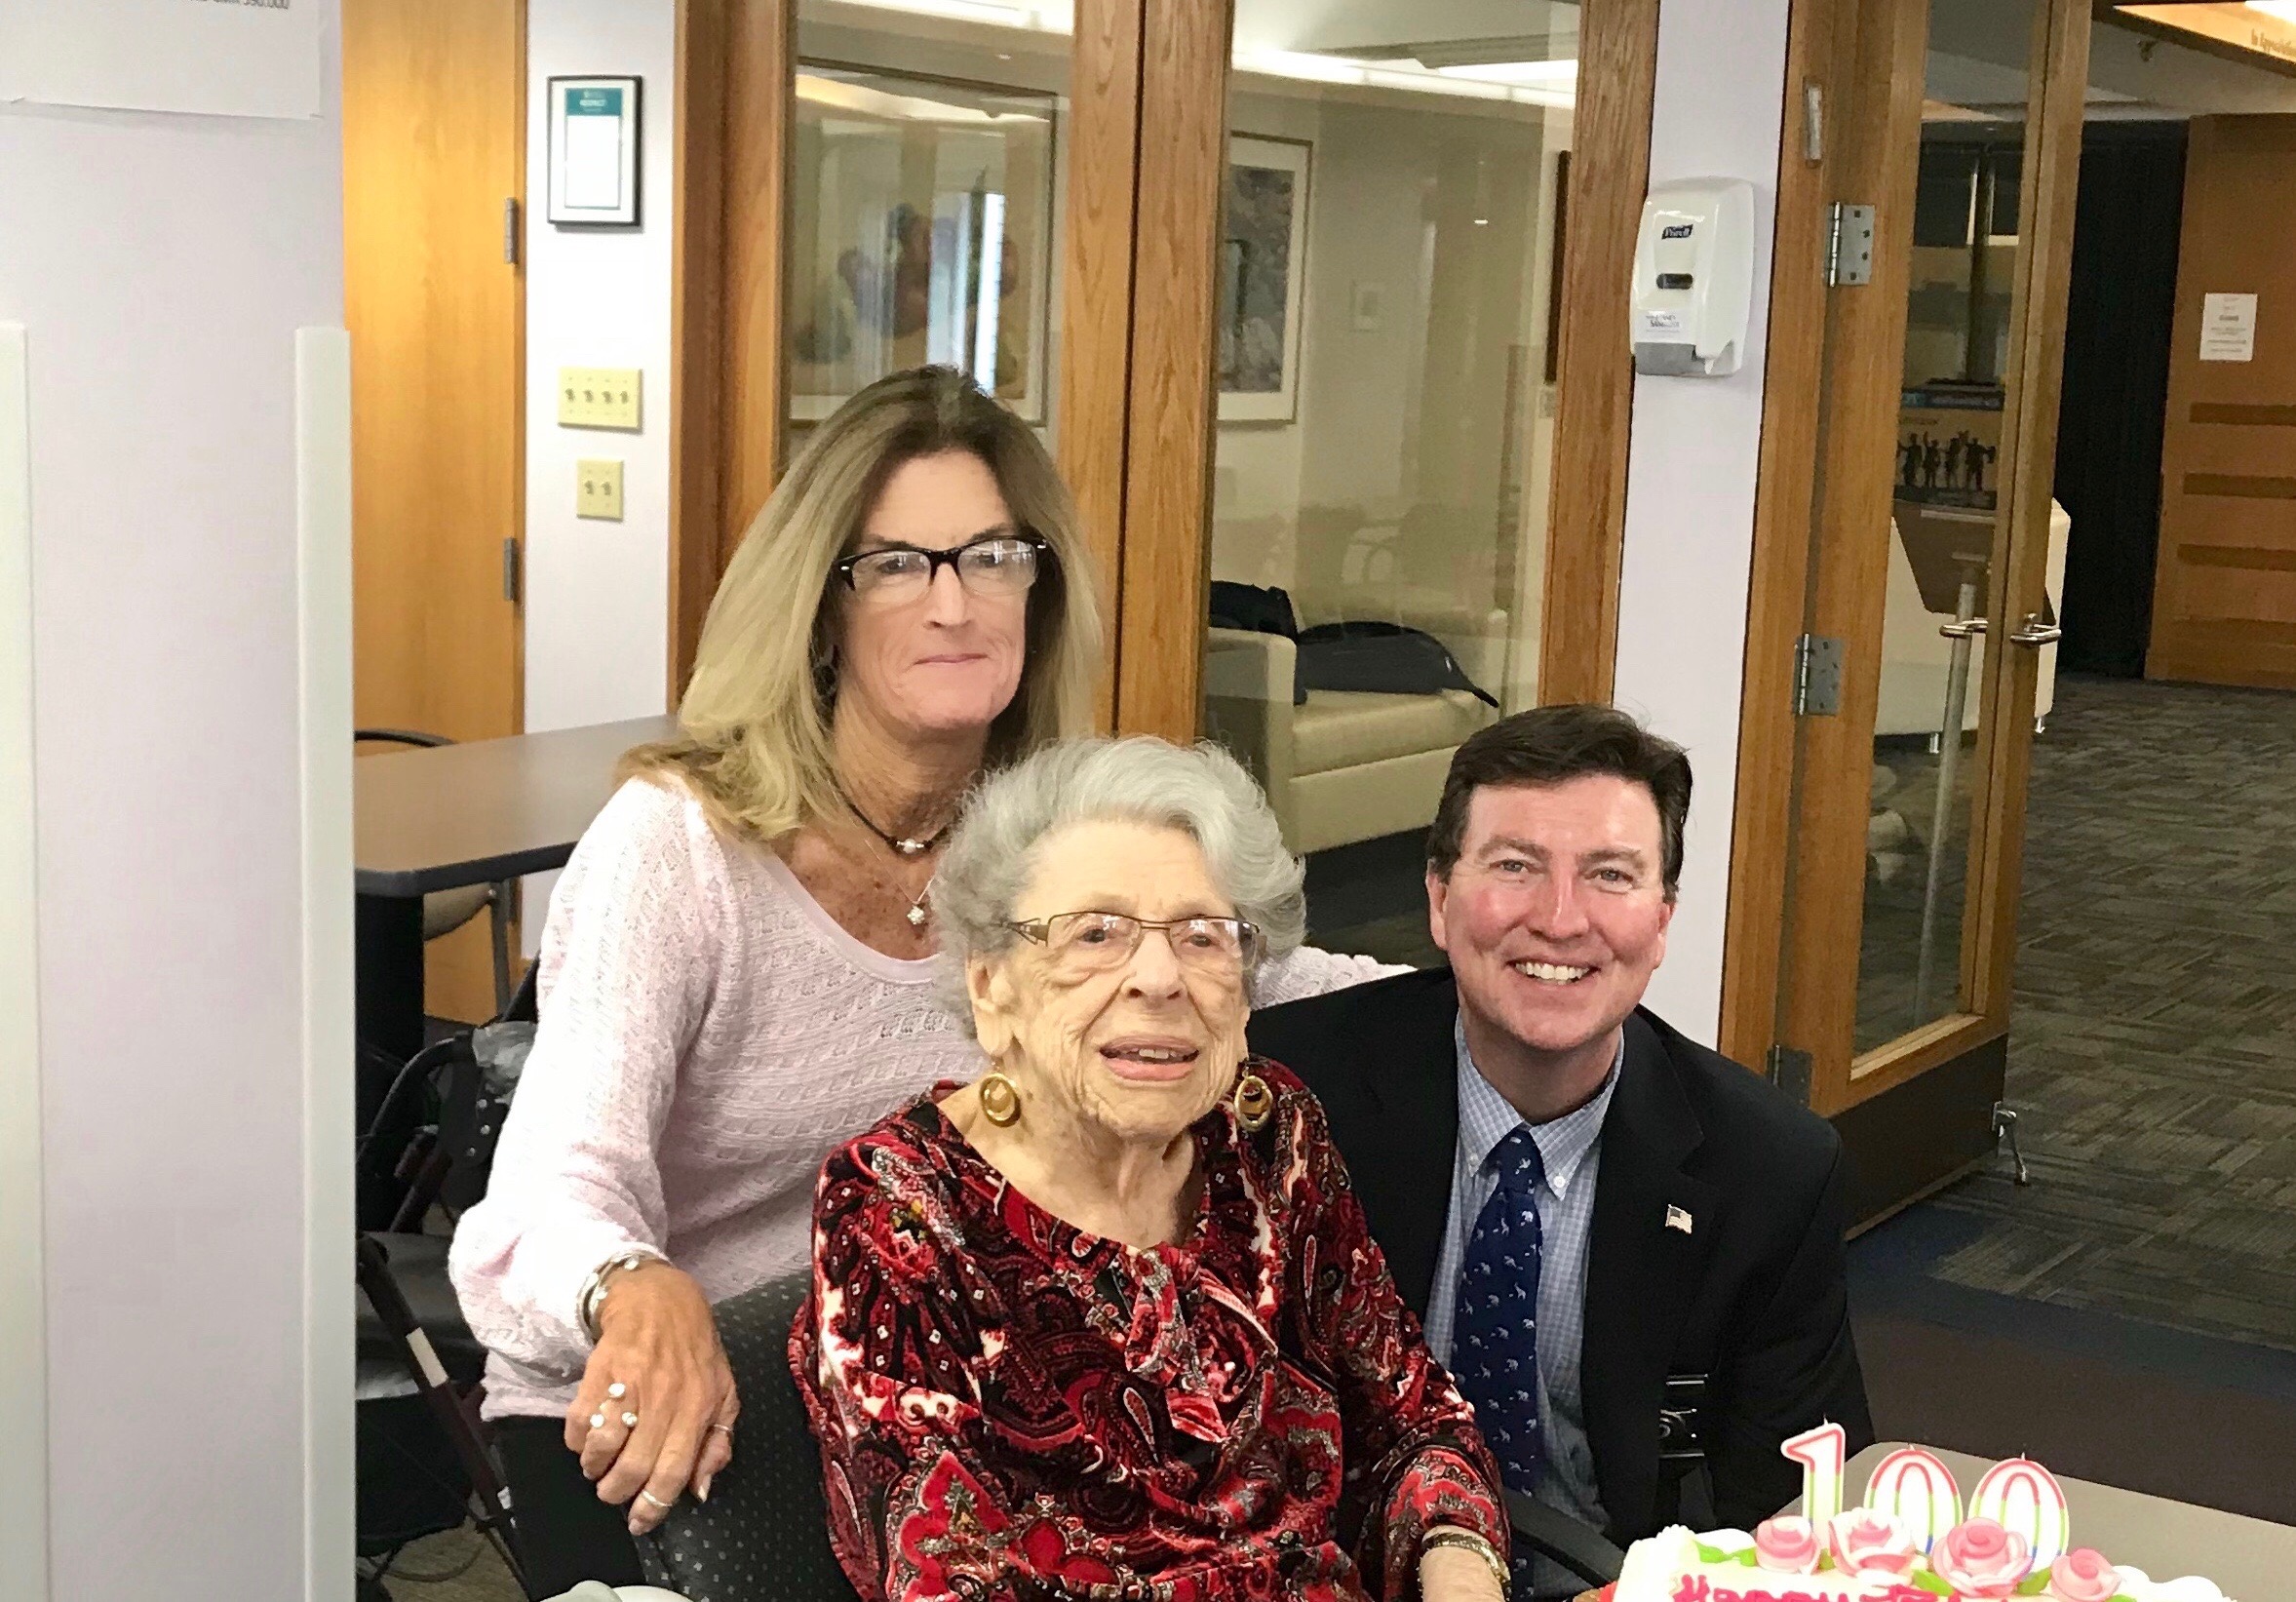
x=2128 y=218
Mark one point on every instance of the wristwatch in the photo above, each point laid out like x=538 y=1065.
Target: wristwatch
x=594 y=1287
x=1452 y=1534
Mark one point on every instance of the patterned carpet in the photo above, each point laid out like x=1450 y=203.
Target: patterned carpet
x=2152 y=1046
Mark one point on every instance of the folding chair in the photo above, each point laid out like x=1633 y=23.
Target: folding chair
x=408 y=1311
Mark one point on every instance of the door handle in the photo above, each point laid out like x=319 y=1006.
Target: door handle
x=1962 y=630
x=2035 y=632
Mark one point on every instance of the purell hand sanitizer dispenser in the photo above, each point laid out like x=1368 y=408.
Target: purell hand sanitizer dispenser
x=1693 y=278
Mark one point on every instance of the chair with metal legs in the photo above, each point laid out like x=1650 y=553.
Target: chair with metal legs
x=409 y=1313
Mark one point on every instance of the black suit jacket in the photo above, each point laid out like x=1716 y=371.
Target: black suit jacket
x=1754 y=1294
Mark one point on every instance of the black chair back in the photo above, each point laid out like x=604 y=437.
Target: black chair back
x=764 y=1534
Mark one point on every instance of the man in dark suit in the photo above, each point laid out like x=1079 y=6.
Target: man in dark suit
x=1566 y=1186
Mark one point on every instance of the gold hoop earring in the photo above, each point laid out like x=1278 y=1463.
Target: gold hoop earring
x=1255 y=1103
x=1001 y=1100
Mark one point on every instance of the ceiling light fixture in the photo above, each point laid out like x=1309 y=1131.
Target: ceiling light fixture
x=1552 y=82
x=1465 y=83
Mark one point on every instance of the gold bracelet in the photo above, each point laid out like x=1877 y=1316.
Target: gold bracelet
x=1466 y=1541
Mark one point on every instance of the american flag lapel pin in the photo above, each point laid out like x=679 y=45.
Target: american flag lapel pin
x=1677 y=1218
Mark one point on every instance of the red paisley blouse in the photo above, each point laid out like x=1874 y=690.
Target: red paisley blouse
x=1009 y=1407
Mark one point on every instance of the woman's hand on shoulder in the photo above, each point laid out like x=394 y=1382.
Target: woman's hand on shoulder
x=658 y=1362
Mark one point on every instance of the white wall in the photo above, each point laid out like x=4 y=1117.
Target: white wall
x=161 y=265
x=598 y=592
x=1690 y=475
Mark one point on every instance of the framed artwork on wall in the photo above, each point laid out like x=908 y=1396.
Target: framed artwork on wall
x=921 y=230
x=594 y=142
x=1263 y=275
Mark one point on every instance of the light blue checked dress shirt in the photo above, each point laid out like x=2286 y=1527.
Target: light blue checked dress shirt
x=1571 y=1148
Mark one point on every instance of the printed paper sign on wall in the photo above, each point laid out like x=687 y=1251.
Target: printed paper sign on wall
x=214 y=58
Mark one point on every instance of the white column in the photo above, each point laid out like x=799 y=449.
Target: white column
x=23 y=1294
x=1690 y=475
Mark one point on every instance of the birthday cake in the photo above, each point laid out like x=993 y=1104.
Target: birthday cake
x=1914 y=1540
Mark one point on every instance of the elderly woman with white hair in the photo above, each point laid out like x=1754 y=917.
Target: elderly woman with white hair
x=1106 y=1321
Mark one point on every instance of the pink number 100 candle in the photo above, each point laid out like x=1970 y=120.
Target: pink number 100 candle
x=1821 y=1453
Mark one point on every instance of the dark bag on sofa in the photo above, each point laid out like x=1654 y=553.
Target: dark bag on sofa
x=1386 y=658
x=1258 y=611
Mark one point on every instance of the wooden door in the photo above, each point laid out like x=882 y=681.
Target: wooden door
x=2224 y=599
x=434 y=143
x=1881 y=862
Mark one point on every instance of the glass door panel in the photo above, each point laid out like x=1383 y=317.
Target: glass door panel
x=1945 y=520
x=1959 y=124
x=1384 y=433
x=926 y=215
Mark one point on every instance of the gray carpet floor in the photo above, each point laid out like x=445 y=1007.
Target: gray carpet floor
x=2153 y=1042
x=458 y=1566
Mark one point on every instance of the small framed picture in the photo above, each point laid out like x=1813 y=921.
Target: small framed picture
x=1262 y=266
x=594 y=142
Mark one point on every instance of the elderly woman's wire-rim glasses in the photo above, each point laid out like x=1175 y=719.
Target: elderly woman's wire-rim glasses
x=995 y=565
x=1092 y=941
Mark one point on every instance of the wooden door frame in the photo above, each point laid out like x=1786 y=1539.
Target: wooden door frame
x=1594 y=370
x=1159 y=64
x=728 y=276
x=1784 y=977
x=1163 y=572
x=734 y=111
x=1162 y=614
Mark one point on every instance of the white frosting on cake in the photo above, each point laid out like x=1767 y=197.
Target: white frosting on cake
x=1669 y=1567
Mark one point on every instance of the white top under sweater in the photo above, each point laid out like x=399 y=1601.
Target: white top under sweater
x=708 y=1034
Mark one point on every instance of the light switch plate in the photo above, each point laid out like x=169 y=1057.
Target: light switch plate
x=598 y=489
x=598 y=398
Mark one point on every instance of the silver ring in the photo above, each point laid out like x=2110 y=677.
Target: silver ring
x=649 y=1496
x=728 y=1429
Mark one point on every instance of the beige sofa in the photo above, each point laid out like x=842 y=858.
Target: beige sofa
x=1345 y=765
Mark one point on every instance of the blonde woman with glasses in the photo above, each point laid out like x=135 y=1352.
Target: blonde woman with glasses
x=737 y=966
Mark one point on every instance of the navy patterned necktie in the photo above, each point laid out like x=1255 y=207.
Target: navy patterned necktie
x=1494 y=1339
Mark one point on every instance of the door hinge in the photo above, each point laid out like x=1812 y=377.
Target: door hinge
x=1814 y=121
x=1789 y=1070
x=1849 y=243
x=510 y=231
x=1818 y=676
x=510 y=571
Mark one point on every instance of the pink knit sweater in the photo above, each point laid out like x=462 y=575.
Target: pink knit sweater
x=708 y=1034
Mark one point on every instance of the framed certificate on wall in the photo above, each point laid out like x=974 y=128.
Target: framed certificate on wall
x=594 y=140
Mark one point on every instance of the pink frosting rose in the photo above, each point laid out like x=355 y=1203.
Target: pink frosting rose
x=1787 y=1545
x=1979 y=1558
x=1871 y=1545
x=2084 y=1575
